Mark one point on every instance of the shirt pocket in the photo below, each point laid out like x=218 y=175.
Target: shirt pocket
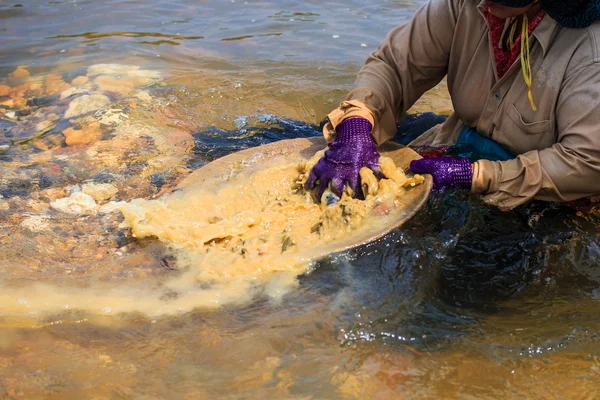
x=527 y=136
x=532 y=128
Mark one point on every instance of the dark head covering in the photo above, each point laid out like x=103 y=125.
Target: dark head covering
x=568 y=13
x=514 y=3
x=572 y=13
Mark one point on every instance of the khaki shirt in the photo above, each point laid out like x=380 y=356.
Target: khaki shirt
x=558 y=145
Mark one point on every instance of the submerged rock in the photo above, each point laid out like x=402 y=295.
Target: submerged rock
x=86 y=104
x=72 y=91
x=35 y=223
x=77 y=203
x=144 y=96
x=109 y=83
x=44 y=126
x=100 y=191
x=80 y=80
x=5 y=125
x=53 y=83
x=20 y=72
x=90 y=133
x=4 y=205
x=111 y=117
x=110 y=69
x=10 y=103
x=43 y=101
x=111 y=206
x=144 y=73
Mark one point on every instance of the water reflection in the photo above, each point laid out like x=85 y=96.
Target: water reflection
x=181 y=31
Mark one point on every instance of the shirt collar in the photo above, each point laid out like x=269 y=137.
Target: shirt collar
x=544 y=33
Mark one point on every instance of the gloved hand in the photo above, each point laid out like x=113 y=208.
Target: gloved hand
x=352 y=149
x=447 y=172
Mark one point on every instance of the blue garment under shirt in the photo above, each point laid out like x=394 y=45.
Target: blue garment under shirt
x=470 y=143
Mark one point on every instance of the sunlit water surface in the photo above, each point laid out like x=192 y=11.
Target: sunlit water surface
x=463 y=301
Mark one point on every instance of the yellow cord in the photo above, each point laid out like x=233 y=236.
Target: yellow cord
x=526 y=60
x=511 y=35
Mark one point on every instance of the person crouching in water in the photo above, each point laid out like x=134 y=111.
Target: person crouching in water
x=524 y=79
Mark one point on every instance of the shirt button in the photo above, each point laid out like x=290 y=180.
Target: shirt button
x=497 y=96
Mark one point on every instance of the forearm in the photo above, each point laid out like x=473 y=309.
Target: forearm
x=553 y=174
x=412 y=59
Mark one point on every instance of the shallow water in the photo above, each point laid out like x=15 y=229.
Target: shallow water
x=464 y=301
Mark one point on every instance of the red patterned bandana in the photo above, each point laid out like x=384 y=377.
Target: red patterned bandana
x=506 y=57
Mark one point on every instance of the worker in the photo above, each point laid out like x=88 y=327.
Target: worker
x=524 y=79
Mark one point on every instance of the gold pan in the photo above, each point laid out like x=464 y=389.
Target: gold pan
x=298 y=150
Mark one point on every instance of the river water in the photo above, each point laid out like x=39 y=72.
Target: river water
x=102 y=102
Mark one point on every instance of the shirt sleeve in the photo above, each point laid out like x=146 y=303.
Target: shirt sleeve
x=568 y=170
x=412 y=59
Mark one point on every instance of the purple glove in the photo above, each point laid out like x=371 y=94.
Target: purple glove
x=447 y=172
x=352 y=149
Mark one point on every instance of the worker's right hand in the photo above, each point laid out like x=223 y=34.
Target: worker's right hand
x=352 y=148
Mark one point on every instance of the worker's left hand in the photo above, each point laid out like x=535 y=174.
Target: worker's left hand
x=447 y=172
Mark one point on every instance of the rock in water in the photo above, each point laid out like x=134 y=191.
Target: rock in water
x=100 y=191
x=77 y=203
x=20 y=72
x=86 y=104
x=80 y=80
x=110 y=69
x=90 y=133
